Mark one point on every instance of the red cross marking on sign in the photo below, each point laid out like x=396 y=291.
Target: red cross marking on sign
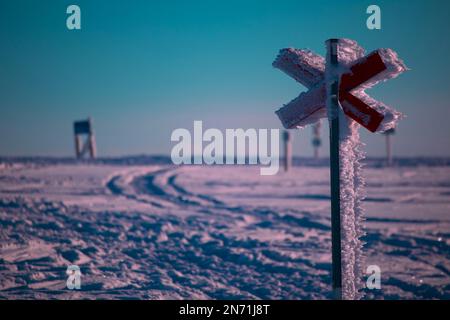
x=308 y=69
x=354 y=107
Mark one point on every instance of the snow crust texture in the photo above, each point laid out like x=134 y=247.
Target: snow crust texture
x=219 y=232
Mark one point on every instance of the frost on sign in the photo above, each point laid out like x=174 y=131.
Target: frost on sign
x=308 y=69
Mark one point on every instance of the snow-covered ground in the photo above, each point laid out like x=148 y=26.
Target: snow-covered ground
x=164 y=232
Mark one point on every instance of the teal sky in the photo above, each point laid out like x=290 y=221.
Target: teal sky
x=142 y=68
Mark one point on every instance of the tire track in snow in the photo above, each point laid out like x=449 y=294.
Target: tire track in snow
x=234 y=257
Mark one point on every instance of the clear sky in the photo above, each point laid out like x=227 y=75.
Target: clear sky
x=142 y=68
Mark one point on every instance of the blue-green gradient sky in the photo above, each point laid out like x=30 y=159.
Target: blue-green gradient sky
x=142 y=68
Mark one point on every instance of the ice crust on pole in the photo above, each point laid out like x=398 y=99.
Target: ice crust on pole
x=351 y=183
x=352 y=191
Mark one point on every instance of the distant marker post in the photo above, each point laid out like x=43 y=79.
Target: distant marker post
x=316 y=141
x=388 y=135
x=287 y=150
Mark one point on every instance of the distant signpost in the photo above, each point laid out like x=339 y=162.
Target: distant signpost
x=337 y=91
x=80 y=128
x=316 y=141
x=287 y=139
x=388 y=134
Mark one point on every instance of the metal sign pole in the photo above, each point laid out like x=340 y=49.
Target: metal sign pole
x=335 y=174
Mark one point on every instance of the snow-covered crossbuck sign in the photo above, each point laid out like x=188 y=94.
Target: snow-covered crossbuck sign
x=336 y=90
